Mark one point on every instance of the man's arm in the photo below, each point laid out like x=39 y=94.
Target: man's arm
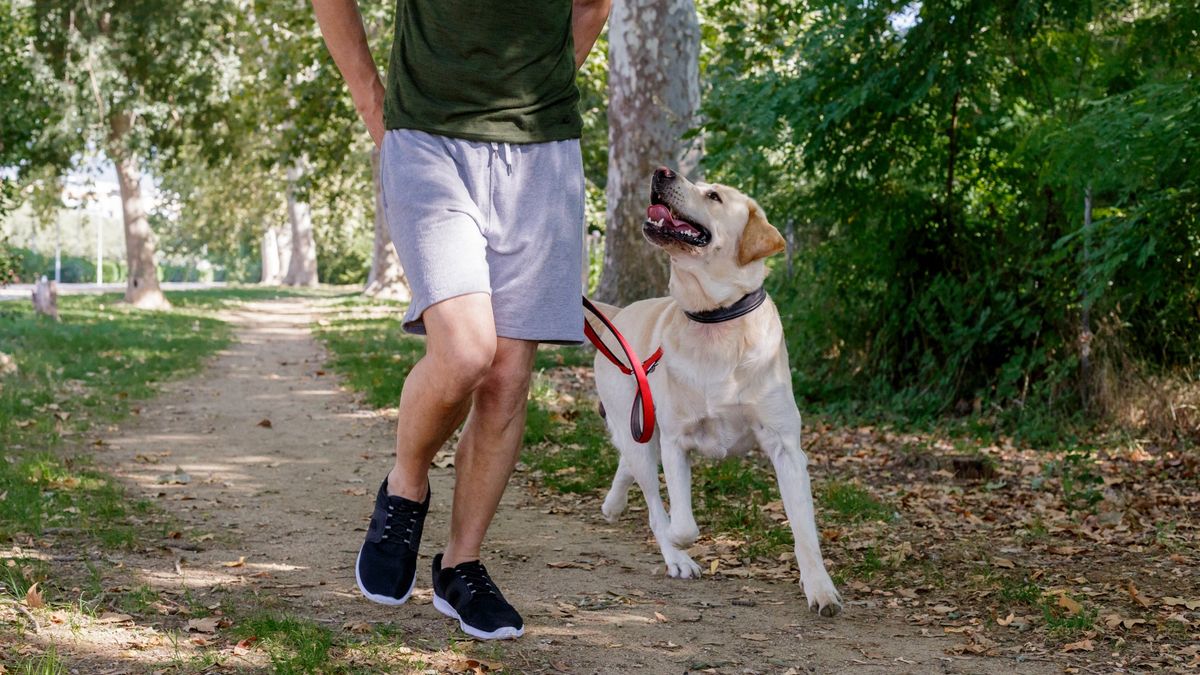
x=342 y=27
x=587 y=20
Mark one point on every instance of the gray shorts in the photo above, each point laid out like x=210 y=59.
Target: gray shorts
x=498 y=218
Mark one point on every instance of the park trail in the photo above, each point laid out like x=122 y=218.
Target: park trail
x=270 y=466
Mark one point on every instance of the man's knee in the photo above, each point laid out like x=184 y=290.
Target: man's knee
x=461 y=342
x=507 y=381
x=464 y=361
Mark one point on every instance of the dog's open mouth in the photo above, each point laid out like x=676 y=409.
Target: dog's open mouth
x=663 y=221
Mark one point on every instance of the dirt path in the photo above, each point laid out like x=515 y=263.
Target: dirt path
x=291 y=499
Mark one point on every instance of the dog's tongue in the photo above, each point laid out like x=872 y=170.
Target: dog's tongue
x=659 y=212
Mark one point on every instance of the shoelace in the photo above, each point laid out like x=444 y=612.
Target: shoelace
x=402 y=525
x=477 y=579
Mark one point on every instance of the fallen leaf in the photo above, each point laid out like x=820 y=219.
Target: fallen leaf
x=240 y=562
x=244 y=646
x=1003 y=562
x=1084 y=645
x=33 y=598
x=712 y=569
x=1064 y=550
x=659 y=617
x=208 y=624
x=1007 y=621
x=265 y=423
x=114 y=617
x=361 y=627
x=1114 y=621
x=1180 y=602
x=1137 y=597
x=1070 y=604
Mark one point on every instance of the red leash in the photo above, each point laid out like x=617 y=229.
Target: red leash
x=642 y=426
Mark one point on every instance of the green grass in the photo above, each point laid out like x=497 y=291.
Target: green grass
x=46 y=663
x=90 y=368
x=293 y=645
x=1020 y=591
x=853 y=503
x=93 y=364
x=1061 y=623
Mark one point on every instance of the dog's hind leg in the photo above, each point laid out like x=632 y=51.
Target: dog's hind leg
x=782 y=445
x=618 y=494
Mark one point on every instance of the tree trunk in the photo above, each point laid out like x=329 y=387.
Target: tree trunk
x=654 y=91
x=302 y=268
x=386 y=279
x=1085 y=314
x=141 y=289
x=271 y=270
x=951 y=157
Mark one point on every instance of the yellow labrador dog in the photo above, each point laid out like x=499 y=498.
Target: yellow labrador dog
x=723 y=386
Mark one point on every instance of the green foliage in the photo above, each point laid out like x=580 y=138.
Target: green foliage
x=932 y=176
x=27 y=98
x=11 y=260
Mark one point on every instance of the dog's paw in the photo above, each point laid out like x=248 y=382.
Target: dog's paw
x=613 y=507
x=681 y=566
x=682 y=536
x=822 y=597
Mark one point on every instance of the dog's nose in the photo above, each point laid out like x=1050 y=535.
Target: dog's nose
x=664 y=173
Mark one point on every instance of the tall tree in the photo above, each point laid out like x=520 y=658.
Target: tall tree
x=302 y=269
x=654 y=92
x=137 y=75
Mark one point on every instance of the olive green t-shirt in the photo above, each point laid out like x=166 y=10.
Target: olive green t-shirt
x=484 y=70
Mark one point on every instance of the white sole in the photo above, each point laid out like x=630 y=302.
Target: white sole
x=381 y=599
x=505 y=633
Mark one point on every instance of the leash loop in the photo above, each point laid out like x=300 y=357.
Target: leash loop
x=641 y=416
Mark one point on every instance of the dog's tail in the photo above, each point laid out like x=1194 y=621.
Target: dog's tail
x=610 y=311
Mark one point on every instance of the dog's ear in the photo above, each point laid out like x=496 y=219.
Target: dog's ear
x=760 y=239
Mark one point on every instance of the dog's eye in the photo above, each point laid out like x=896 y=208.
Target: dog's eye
x=712 y=194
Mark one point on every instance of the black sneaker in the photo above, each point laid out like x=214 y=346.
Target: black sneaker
x=386 y=569
x=466 y=592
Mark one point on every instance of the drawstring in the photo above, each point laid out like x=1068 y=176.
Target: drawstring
x=503 y=152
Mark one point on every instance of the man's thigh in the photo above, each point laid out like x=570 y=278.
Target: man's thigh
x=535 y=242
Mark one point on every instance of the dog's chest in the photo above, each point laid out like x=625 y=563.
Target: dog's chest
x=718 y=424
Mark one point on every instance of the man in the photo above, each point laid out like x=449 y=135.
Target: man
x=483 y=194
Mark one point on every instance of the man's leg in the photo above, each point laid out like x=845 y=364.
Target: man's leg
x=488 y=449
x=459 y=352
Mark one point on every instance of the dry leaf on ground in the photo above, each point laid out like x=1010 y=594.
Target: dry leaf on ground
x=1084 y=645
x=33 y=598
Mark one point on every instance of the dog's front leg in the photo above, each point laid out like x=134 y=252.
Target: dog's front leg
x=677 y=470
x=782 y=445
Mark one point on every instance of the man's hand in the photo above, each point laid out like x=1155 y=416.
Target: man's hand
x=342 y=27
x=587 y=20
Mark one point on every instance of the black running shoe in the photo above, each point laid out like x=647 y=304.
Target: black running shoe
x=386 y=569
x=466 y=592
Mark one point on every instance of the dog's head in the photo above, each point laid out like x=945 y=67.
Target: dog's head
x=713 y=232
